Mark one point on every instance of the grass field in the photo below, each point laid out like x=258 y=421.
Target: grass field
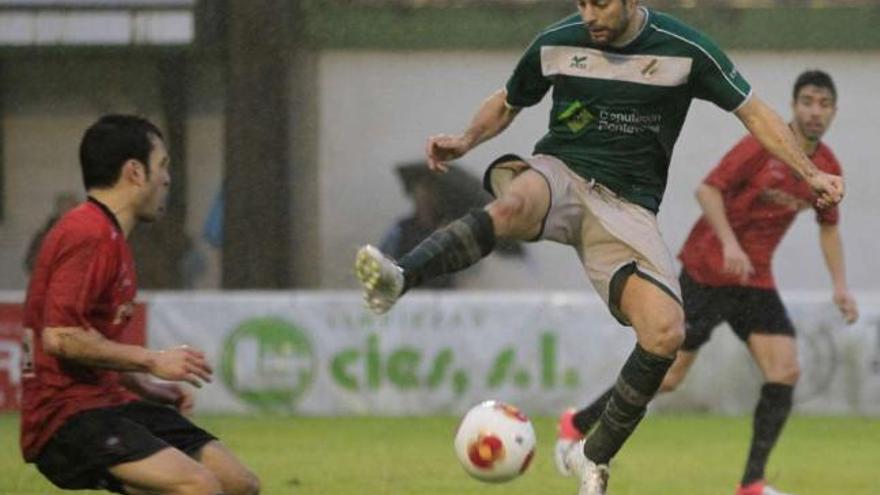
x=669 y=455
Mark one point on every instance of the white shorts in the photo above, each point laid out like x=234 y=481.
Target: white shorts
x=613 y=237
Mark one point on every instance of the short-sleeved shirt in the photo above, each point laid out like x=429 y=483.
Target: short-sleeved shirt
x=617 y=112
x=761 y=196
x=84 y=277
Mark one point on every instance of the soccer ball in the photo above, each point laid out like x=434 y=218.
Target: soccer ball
x=495 y=442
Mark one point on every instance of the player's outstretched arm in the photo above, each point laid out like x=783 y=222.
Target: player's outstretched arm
x=492 y=117
x=774 y=134
x=832 y=250
x=88 y=347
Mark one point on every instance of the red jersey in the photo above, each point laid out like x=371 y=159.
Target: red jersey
x=762 y=196
x=84 y=277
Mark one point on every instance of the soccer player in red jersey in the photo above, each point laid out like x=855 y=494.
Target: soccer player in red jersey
x=92 y=417
x=749 y=201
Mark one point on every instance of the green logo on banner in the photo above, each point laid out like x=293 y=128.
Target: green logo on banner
x=268 y=363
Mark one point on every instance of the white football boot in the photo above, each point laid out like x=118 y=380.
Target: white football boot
x=381 y=279
x=568 y=438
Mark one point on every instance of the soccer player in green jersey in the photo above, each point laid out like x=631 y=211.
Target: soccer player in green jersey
x=748 y=202
x=623 y=77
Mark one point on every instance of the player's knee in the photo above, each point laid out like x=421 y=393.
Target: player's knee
x=198 y=482
x=253 y=485
x=665 y=334
x=506 y=212
x=247 y=483
x=788 y=373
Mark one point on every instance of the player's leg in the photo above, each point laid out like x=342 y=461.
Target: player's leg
x=517 y=213
x=631 y=268
x=179 y=432
x=770 y=337
x=703 y=312
x=167 y=472
x=574 y=425
x=704 y=309
x=234 y=476
x=658 y=320
x=583 y=420
x=104 y=449
x=586 y=418
x=683 y=363
x=776 y=356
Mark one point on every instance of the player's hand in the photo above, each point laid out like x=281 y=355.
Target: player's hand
x=173 y=394
x=829 y=189
x=846 y=303
x=182 y=364
x=737 y=263
x=185 y=401
x=442 y=148
x=176 y=395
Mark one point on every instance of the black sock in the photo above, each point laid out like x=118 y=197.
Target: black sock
x=770 y=414
x=450 y=249
x=637 y=384
x=584 y=419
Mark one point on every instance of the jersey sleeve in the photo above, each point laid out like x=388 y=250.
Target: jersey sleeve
x=741 y=163
x=829 y=216
x=80 y=274
x=527 y=85
x=716 y=78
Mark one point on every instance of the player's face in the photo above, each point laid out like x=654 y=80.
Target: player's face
x=814 y=109
x=606 y=20
x=155 y=192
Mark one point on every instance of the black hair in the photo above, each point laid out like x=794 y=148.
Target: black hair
x=109 y=143
x=816 y=78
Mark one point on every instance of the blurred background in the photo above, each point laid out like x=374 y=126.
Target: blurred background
x=296 y=131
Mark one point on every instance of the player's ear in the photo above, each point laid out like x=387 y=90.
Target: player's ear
x=135 y=172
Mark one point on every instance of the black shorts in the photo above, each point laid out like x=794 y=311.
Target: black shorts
x=79 y=454
x=748 y=310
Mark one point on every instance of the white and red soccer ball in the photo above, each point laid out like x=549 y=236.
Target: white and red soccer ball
x=495 y=442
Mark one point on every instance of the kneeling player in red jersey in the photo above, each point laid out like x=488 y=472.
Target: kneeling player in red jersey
x=92 y=417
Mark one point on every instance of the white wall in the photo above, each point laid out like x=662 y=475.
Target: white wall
x=377 y=109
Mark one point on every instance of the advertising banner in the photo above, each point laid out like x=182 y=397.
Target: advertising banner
x=438 y=352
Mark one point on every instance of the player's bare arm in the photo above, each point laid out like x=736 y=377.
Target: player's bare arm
x=90 y=348
x=775 y=135
x=492 y=117
x=736 y=261
x=832 y=250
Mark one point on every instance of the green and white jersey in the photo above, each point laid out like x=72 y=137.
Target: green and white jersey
x=617 y=112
